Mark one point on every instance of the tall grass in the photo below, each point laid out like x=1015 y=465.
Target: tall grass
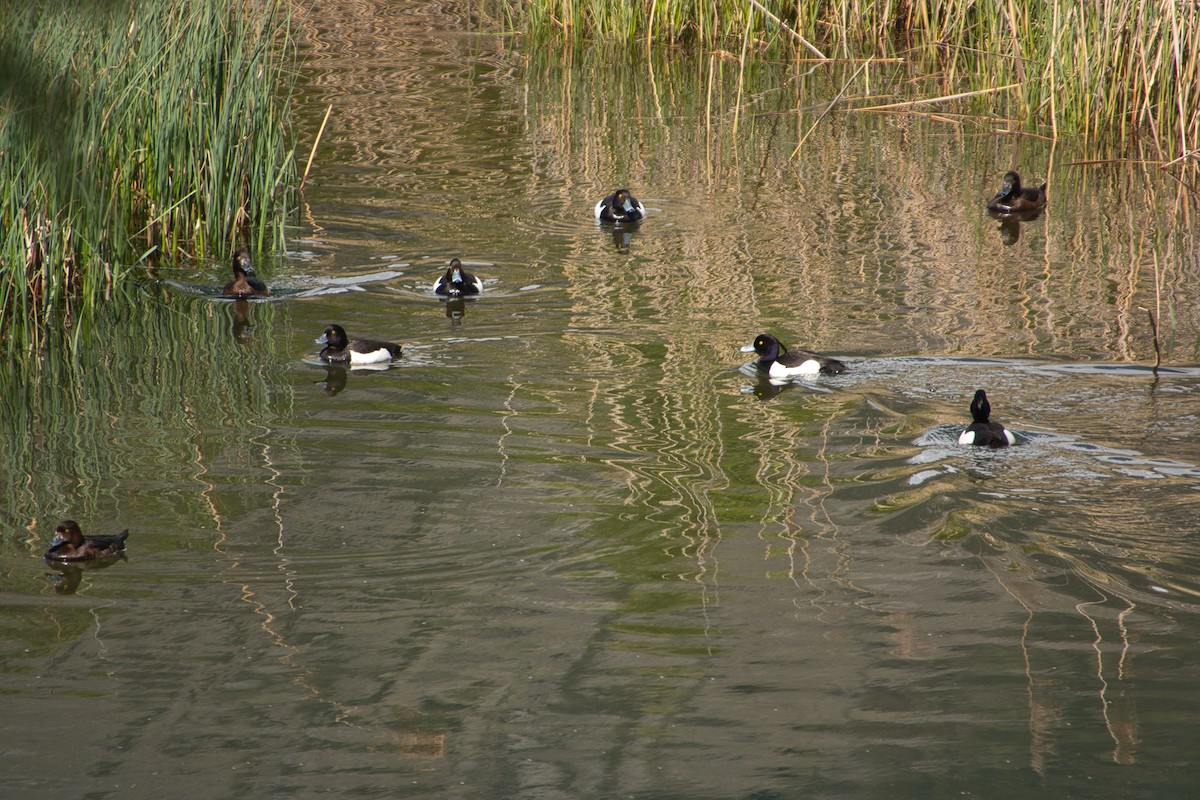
x=1122 y=73
x=131 y=129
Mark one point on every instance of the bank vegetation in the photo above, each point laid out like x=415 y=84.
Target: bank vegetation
x=133 y=130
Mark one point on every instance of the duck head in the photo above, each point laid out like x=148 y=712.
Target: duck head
x=624 y=200
x=334 y=337
x=456 y=282
x=1011 y=184
x=767 y=346
x=67 y=532
x=241 y=264
x=981 y=409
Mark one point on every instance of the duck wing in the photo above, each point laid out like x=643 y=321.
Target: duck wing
x=985 y=434
x=373 y=346
x=794 y=358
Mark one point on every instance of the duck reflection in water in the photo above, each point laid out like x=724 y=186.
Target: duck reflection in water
x=1010 y=224
x=335 y=379
x=68 y=575
x=456 y=309
x=241 y=321
x=337 y=375
x=766 y=388
x=1010 y=231
x=622 y=237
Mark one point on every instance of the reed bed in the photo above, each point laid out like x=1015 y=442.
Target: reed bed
x=132 y=131
x=1118 y=73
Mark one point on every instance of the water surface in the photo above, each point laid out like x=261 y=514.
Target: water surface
x=568 y=546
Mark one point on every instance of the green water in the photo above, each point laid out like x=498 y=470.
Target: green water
x=567 y=546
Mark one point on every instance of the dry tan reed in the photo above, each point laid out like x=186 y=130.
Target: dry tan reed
x=1120 y=73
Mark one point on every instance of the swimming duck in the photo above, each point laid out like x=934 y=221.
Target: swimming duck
x=71 y=545
x=779 y=362
x=982 y=432
x=457 y=281
x=339 y=350
x=620 y=206
x=1013 y=197
x=244 y=283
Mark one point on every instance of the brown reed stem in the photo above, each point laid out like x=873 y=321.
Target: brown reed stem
x=943 y=99
x=1157 y=312
x=807 y=44
x=316 y=142
x=1157 y=346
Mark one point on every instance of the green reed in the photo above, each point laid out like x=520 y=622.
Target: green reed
x=130 y=130
x=1124 y=73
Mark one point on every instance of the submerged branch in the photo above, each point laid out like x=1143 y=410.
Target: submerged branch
x=1157 y=345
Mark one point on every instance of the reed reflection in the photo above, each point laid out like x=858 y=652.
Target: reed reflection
x=72 y=416
x=871 y=240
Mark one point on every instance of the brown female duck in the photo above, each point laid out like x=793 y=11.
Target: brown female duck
x=71 y=545
x=244 y=283
x=1015 y=198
